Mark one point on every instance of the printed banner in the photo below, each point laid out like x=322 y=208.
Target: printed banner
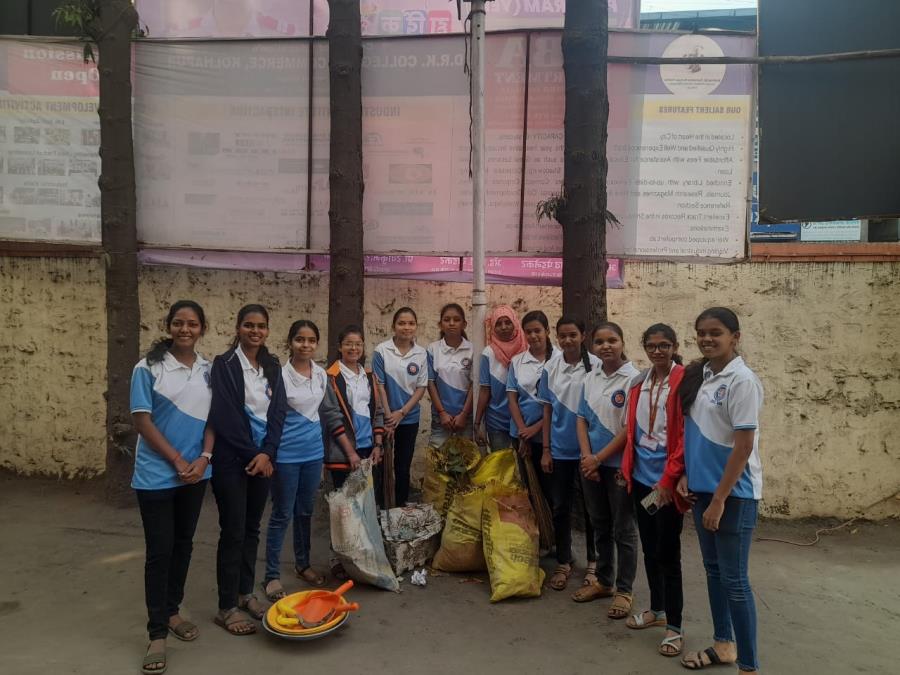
x=49 y=139
x=291 y=18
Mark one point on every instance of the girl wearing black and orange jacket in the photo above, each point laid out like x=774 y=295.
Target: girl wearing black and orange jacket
x=354 y=389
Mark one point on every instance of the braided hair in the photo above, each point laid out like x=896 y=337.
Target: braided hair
x=158 y=349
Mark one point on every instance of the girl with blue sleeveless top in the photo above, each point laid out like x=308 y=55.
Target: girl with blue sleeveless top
x=170 y=399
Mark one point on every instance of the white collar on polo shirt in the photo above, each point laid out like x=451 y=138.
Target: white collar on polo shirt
x=245 y=362
x=731 y=366
x=448 y=349
x=171 y=363
x=347 y=373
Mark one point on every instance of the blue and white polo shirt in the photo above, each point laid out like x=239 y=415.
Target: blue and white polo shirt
x=651 y=445
x=560 y=386
x=177 y=398
x=359 y=394
x=400 y=375
x=727 y=401
x=301 y=440
x=603 y=407
x=450 y=368
x=524 y=376
x=257 y=396
x=494 y=374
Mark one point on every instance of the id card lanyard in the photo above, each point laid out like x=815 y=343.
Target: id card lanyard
x=654 y=403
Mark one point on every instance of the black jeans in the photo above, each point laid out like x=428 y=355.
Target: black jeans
x=170 y=519
x=404 y=447
x=241 y=500
x=611 y=511
x=562 y=490
x=661 y=543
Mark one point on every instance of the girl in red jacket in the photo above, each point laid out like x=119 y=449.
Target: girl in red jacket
x=652 y=462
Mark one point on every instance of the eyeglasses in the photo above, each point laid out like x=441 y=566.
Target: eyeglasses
x=661 y=347
x=352 y=345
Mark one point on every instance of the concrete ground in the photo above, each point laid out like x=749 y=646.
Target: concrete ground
x=71 y=601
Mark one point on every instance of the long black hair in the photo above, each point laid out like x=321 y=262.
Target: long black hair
x=158 y=349
x=579 y=324
x=264 y=357
x=615 y=328
x=458 y=308
x=541 y=318
x=693 y=374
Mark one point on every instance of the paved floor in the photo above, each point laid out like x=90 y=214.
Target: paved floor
x=71 y=601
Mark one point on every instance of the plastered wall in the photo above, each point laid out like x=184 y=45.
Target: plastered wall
x=820 y=335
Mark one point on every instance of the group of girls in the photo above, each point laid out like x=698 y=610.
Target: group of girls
x=641 y=447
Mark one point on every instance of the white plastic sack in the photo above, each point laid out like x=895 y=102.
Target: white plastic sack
x=412 y=534
x=355 y=534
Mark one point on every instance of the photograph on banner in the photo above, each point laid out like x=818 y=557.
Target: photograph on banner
x=428 y=17
x=224 y=18
x=678 y=147
x=221 y=147
x=49 y=142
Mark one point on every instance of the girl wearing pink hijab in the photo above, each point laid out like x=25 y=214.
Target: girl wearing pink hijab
x=505 y=339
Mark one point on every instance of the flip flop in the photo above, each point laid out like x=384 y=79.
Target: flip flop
x=274 y=596
x=592 y=591
x=154 y=659
x=233 y=617
x=183 y=631
x=620 y=606
x=560 y=578
x=317 y=579
x=697 y=663
x=674 y=650
x=244 y=604
x=636 y=621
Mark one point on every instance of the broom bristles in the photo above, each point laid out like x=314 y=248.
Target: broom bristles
x=542 y=512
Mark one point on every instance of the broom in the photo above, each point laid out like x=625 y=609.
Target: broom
x=542 y=512
x=388 y=479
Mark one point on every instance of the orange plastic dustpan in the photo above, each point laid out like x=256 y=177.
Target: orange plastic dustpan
x=319 y=608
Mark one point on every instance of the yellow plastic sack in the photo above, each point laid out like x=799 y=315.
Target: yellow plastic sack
x=510 y=535
x=499 y=467
x=437 y=489
x=447 y=470
x=461 y=549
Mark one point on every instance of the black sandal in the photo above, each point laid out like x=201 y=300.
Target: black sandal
x=697 y=662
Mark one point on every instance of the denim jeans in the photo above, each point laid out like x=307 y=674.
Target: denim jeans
x=170 y=519
x=404 y=448
x=725 y=556
x=294 y=489
x=500 y=440
x=439 y=434
x=241 y=500
x=661 y=543
x=611 y=511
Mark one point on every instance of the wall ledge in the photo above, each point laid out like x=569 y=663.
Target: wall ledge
x=831 y=252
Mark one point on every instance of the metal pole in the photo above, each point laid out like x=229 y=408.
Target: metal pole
x=479 y=295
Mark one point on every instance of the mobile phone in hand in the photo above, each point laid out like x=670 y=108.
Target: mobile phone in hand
x=649 y=502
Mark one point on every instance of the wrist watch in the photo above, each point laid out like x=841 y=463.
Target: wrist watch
x=208 y=456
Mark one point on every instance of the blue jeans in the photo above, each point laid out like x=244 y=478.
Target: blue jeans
x=294 y=489
x=725 y=557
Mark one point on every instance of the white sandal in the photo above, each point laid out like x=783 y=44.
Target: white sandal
x=670 y=642
x=637 y=621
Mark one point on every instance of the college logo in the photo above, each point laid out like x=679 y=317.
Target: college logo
x=720 y=394
x=412 y=369
x=618 y=398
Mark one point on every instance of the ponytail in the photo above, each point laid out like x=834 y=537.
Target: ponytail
x=549 y=351
x=158 y=349
x=585 y=359
x=690 y=384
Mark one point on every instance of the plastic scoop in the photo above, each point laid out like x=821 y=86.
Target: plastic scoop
x=322 y=606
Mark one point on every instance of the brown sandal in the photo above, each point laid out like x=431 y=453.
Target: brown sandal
x=232 y=618
x=252 y=606
x=310 y=576
x=592 y=591
x=560 y=578
x=620 y=606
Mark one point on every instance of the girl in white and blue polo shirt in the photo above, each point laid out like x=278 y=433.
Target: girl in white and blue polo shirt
x=601 y=435
x=298 y=471
x=722 y=398
x=450 y=378
x=504 y=338
x=526 y=411
x=401 y=375
x=560 y=392
x=170 y=399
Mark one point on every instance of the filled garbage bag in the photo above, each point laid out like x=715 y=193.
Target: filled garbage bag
x=510 y=539
x=355 y=532
x=447 y=470
x=500 y=467
x=461 y=547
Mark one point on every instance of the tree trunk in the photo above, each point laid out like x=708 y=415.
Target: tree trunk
x=112 y=31
x=345 y=285
x=583 y=215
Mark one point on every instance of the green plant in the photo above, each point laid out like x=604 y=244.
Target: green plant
x=554 y=208
x=84 y=17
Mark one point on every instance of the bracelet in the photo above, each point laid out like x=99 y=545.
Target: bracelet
x=208 y=456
